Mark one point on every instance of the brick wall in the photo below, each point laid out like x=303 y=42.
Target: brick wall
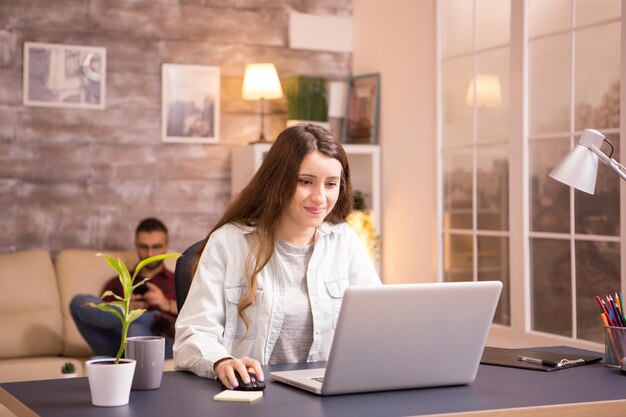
x=84 y=178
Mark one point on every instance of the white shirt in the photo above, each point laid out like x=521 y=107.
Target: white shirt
x=208 y=327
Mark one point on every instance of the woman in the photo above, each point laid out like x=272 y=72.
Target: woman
x=270 y=279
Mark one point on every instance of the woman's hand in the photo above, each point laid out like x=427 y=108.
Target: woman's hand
x=226 y=368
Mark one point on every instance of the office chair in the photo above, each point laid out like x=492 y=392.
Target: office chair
x=183 y=275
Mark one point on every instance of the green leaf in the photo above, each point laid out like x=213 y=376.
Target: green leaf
x=119 y=304
x=110 y=293
x=151 y=259
x=106 y=307
x=114 y=263
x=135 y=314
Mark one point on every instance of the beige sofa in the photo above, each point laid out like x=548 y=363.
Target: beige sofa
x=38 y=333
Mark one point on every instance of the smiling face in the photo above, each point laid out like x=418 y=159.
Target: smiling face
x=317 y=190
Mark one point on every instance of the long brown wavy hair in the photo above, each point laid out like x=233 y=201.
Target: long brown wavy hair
x=261 y=203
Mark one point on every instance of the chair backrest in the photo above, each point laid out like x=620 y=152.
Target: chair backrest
x=183 y=274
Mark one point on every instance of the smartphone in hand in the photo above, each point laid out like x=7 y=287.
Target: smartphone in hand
x=141 y=290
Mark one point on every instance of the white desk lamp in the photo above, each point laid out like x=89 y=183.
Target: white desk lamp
x=579 y=168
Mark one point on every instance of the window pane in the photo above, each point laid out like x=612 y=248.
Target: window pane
x=597 y=77
x=493 y=23
x=551 y=287
x=598 y=214
x=457 y=193
x=597 y=273
x=549 y=89
x=458 y=257
x=457 y=114
x=457 y=26
x=549 y=199
x=492 y=95
x=493 y=187
x=590 y=11
x=549 y=16
x=493 y=265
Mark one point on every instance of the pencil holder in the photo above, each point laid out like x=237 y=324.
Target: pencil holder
x=614 y=345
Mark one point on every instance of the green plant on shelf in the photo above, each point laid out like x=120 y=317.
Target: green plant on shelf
x=306 y=98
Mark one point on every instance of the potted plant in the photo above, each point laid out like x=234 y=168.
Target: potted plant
x=68 y=370
x=306 y=100
x=110 y=379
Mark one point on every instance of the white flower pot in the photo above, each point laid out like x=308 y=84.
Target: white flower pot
x=110 y=383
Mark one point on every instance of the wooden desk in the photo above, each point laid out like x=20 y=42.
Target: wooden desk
x=591 y=390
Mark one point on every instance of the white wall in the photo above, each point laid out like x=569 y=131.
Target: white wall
x=397 y=38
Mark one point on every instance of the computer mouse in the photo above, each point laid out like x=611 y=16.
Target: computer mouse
x=623 y=367
x=254 y=385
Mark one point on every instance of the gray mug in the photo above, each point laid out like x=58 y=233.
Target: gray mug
x=149 y=352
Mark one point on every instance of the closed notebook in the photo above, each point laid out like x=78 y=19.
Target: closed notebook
x=551 y=361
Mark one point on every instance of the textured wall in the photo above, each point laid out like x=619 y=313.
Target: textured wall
x=83 y=178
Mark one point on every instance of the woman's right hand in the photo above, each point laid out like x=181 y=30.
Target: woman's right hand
x=226 y=368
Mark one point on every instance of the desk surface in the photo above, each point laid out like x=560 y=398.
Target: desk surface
x=509 y=391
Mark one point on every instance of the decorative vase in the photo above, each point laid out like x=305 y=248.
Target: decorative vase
x=71 y=375
x=109 y=382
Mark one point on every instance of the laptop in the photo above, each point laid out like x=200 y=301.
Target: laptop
x=404 y=336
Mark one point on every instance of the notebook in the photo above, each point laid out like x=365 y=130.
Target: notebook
x=536 y=359
x=404 y=336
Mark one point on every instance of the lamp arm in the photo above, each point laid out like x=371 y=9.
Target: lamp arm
x=612 y=163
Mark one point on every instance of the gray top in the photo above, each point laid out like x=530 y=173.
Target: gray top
x=296 y=333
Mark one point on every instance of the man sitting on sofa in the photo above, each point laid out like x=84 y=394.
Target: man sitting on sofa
x=102 y=330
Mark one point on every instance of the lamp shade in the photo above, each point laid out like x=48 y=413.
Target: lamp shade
x=579 y=168
x=487 y=89
x=260 y=81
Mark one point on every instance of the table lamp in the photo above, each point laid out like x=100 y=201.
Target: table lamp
x=260 y=82
x=485 y=88
x=579 y=168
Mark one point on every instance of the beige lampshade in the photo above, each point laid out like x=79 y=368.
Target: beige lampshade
x=487 y=89
x=260 y=81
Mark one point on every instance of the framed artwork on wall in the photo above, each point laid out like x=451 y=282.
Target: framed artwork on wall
x=361 y=123
x=190 y=103
x=58 y=75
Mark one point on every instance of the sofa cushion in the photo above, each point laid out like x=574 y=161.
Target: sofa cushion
x=80 y=271
x=30 y=314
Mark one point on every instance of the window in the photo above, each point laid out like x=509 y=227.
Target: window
x=475 y=142
x=573 y=84
x=570 y=76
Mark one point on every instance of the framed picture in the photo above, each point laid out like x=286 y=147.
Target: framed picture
x=57 y=75
x=361 y=124
x=190 y=103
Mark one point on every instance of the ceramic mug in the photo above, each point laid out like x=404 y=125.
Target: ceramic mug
x=149 y=352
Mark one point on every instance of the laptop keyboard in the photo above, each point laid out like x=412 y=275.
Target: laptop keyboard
x=318 y=379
